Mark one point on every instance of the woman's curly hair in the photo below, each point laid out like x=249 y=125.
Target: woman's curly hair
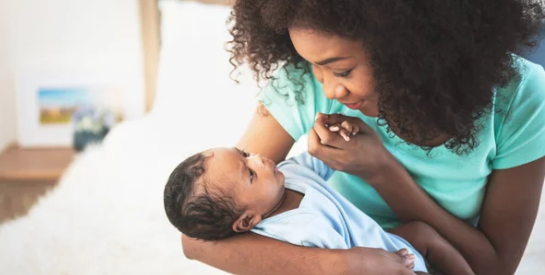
x=436 y=63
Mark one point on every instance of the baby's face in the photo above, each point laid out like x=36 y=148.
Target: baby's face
x=253 y=181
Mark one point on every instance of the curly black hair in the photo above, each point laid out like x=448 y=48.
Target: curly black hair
x=205 y=215
x=435 y=63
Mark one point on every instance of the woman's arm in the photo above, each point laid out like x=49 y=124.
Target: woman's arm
x=507 y=217
x=265 y=136
x=508 y=213
x=251 y=254
x=254 y=254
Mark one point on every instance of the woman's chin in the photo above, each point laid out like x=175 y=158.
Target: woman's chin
x=369 y=111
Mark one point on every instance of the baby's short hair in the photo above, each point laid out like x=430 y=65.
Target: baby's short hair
x=205 y=215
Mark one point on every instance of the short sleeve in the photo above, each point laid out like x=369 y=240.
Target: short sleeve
x=521 y=135
x=293 y=98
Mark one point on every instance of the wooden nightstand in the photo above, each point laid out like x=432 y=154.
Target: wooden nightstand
x=22 y=164
x=28 y=174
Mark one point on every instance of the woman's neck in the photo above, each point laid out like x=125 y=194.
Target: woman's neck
x=437 y=141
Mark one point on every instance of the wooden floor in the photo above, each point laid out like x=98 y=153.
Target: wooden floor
x=17 y=198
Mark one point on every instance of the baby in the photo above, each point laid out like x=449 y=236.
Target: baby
x=225 y=191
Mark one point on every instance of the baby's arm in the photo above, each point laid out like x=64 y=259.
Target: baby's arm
x=440 y=254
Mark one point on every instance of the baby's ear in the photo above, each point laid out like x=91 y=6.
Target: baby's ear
x=246 y=221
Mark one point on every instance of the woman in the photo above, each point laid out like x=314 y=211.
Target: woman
x=453 y=123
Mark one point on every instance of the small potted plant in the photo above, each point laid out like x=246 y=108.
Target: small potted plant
x=91 y=125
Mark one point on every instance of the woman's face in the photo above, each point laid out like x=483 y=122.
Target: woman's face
x=341 y=65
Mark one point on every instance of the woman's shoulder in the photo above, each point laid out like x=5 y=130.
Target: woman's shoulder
x=529 y=82
x=527 y=90
x=519 y=117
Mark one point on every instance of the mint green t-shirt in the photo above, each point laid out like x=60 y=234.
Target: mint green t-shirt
x=510 y=137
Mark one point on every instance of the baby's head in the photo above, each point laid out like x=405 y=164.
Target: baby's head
x=220 y=192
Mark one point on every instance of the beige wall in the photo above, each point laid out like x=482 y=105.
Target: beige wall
x=66 y=35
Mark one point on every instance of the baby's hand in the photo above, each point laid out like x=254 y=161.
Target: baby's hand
x=345 y=129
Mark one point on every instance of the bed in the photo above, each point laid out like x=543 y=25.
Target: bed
x=106 y=214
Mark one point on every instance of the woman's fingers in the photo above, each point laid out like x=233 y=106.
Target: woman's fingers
x=325 y=153
x=327 y=137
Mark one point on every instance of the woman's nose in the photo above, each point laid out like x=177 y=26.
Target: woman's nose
x=335 y=92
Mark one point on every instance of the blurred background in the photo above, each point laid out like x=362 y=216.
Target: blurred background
x=99 y=100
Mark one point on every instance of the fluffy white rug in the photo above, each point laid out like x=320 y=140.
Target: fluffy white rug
x=106 y=215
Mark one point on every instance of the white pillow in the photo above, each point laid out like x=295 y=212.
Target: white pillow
x=194 y=66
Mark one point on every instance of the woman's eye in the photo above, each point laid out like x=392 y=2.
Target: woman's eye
x=342 y=74
x=245 y=154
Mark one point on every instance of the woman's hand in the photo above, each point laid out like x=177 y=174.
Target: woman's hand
x=362 y=155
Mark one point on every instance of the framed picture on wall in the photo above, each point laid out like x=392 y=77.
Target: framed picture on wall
x=46 y=103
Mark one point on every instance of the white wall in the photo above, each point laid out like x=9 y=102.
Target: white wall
x=66 y=36
x=7 y=95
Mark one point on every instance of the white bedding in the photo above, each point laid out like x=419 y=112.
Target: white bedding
x=106 y=215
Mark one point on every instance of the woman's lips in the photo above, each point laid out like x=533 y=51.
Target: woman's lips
x=354 y=106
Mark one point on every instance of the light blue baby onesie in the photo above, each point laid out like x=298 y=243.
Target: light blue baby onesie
x=324 y=218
